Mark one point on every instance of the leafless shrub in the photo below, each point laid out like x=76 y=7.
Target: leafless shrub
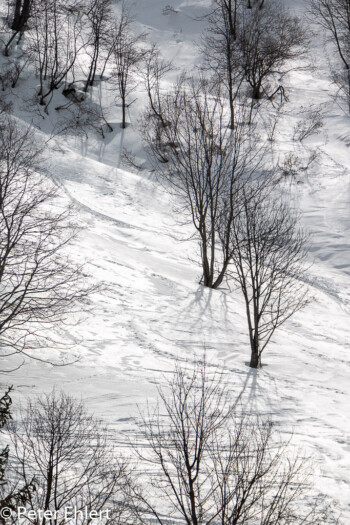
x=168 y=10
x=127 y=54
x=311 y=124
x=5 y=78
x=272 y=128
x=80 y=116
x=12 y=72
x=292 y=165
x=130 y=160
x=271 y=123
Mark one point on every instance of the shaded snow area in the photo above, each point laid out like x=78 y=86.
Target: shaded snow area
x=153 y=311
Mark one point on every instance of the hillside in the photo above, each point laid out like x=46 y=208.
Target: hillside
x=154 y=312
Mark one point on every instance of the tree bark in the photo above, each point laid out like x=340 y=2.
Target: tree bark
x=254 y=359
x=25 y=13
x=124 y=114
x=256 y=92
x=21 y=15
x=17 y=16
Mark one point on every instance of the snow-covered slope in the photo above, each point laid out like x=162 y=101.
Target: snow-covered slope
x=154 y=312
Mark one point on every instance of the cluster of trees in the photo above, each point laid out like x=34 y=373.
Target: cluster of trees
x=206 y=460
x=244 y=45
x=200 y=459
x=204 y=145
x=252 y=45
x=200 y=134
x=70 y=40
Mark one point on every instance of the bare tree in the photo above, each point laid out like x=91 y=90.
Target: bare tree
x=209 y=463
x=154 y=71
x=38 y=283
x=334 y=17
x=69 y=454
x=98 y=15
x=255 y=46
x=12 y=493
x=204 y=163
x=127 y=54
x=268 y=254
x=219 y=48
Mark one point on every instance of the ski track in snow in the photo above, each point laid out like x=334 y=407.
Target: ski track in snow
x=154 y=312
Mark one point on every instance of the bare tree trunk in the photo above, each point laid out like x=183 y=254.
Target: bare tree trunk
x=123 y=113
x=93 y=76
x=17 y=16
x=20 y=19
x=25 y=13
x=257 y=91
x=93 y=67
x=254 y=357
x=231 y=101
x=21 y=15
x=222 y=274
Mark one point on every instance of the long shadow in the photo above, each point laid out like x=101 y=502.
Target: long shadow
x=201 y=303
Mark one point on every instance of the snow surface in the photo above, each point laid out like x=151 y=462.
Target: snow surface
x=154 y=312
